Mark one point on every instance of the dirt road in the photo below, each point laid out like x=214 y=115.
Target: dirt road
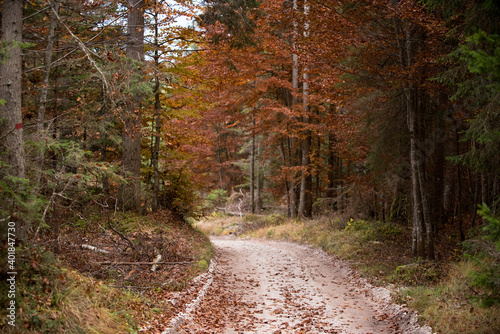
x=262 y=286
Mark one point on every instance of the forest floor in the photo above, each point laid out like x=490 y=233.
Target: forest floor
x=265 y=286
x=93 y=273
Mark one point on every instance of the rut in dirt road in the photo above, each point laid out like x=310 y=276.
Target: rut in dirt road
x=277 y=287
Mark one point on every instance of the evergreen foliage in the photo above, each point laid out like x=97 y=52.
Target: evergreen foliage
x=486 y=254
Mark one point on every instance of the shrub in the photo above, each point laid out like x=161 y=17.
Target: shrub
x=216 y=198
x=485 y=252
x=421 y=272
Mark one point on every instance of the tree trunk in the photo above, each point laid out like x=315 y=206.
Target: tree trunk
x=287 y=184
x=130 y=193
x=305 y=205
x=292 y=147
x=459 y=191
x=252 y=169
x=44 y=91
x=259 y=177
x=418 y=246
x=47 y=67
x=292 y=152
x=11 y=127
x=429 y=230
x=157 y=120
x=104 y=158
x=330 y=192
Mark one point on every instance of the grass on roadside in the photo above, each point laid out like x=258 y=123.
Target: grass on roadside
x=442 y=293
x=54 y=299
x=452 y=305
x=68 y=289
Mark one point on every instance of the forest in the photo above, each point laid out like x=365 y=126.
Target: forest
x=370 y=110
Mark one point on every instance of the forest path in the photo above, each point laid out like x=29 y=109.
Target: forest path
x=263 y=286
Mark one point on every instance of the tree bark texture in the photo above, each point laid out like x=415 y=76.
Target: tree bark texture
x=47 y=67
x=406 y=54
x=292 y=141
x=305 y=197
x=130 y=194
x=11 y=127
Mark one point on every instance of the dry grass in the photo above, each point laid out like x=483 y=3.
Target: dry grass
x=218 y=225
x=89 y=307
x=86 y=298
x=53 y=299
x=451 y=307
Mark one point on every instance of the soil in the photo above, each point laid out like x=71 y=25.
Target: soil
x=262 y=286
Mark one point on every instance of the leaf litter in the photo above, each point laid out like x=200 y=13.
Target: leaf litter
x=279 y=287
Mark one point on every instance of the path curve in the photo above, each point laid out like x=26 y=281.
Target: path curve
x=263 y=286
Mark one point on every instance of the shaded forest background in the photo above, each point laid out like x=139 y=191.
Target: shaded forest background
x=383 y=110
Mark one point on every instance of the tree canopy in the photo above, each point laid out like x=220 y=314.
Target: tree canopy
x=385 y=110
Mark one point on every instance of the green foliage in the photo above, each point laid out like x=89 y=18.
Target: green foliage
x=17 y=199
x=235 y=16
x=5 y=47
x=55 y=300
x=450 y=298
x=357 y=225
x=421 y=272
x=177 y=195
x=492 y=228
x=70 y=179
x=216 y=198
x=202 y=265
x=481 y=53
x=374 y=230
x=485 y=253
x=476 y=78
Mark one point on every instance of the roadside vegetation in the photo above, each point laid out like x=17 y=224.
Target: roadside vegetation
x=66 y=286
x=457 y=294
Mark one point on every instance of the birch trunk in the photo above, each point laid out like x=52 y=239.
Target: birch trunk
x=305 y=205
x=157 y=120
x=293 y=141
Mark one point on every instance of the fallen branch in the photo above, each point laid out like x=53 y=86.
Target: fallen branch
x=92 y=248
x=143 y=263
x=130 y=286
x=475 y=292
x=130 y=243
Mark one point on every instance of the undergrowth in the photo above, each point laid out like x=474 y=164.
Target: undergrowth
x=63 y=287
x=53 y=299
